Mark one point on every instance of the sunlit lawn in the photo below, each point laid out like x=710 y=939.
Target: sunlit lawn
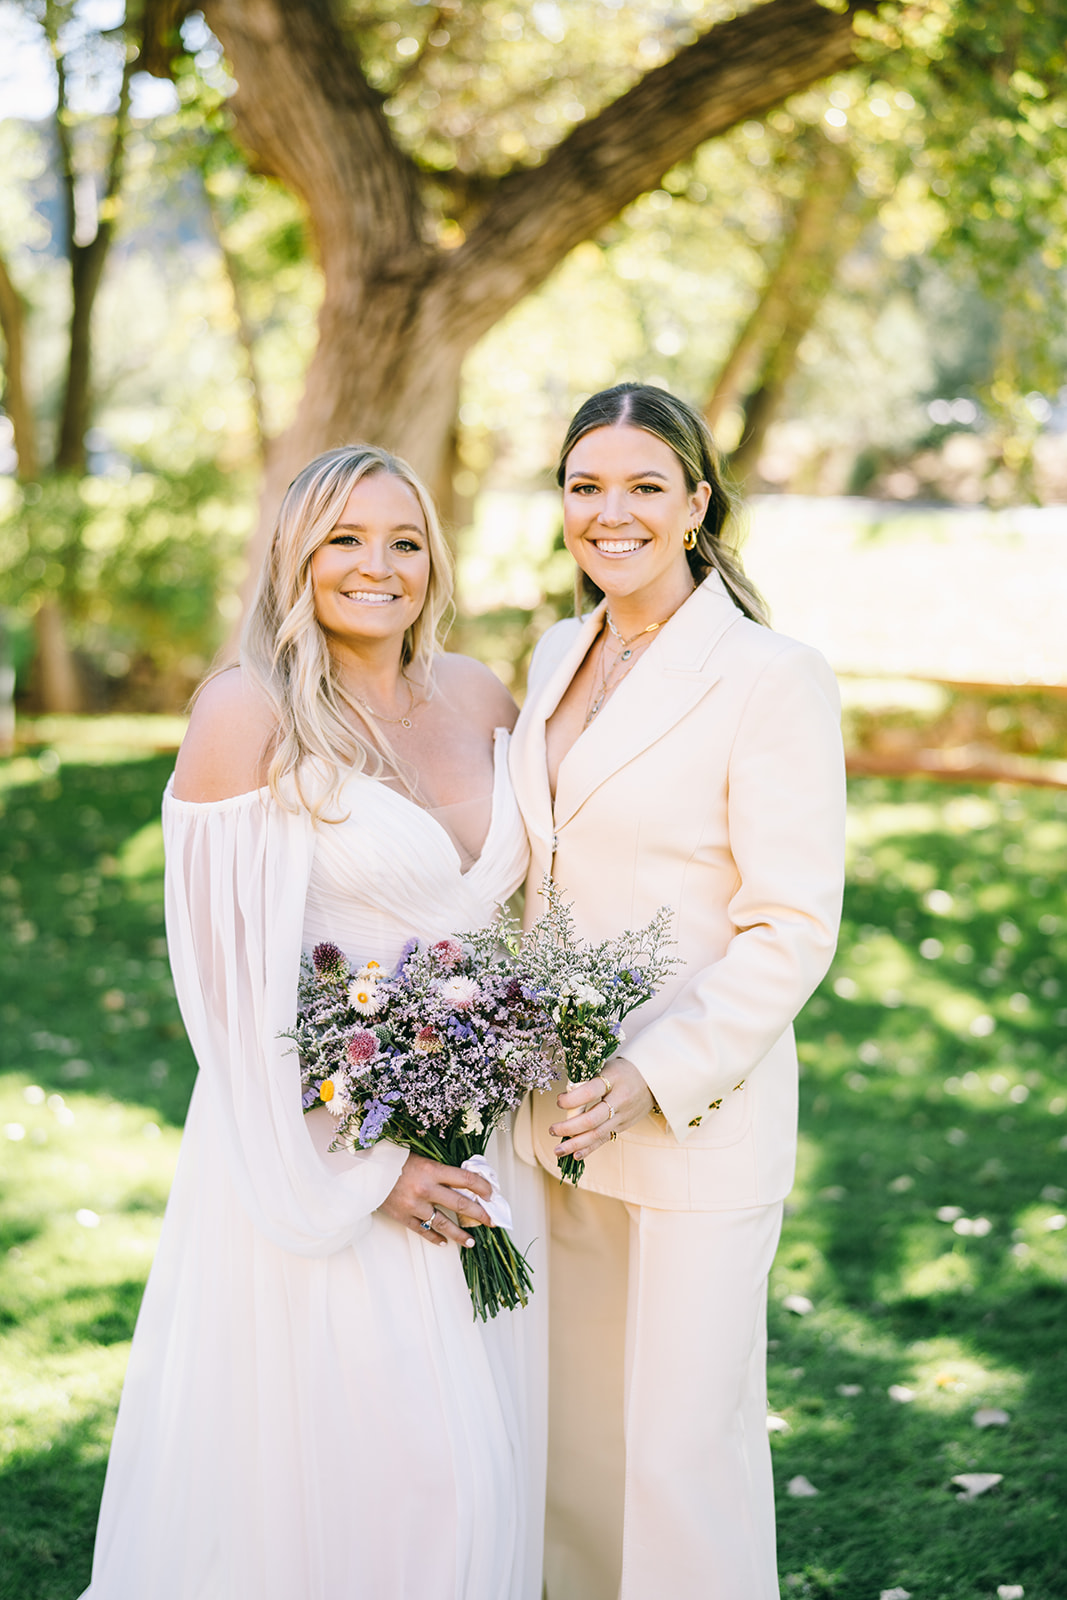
x=928 y=1225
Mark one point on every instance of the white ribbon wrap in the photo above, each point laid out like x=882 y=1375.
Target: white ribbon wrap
x=496 y=1207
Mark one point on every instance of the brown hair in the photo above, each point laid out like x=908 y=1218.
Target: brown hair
x=683 y=430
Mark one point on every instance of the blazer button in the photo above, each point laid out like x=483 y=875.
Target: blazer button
x=555 y=843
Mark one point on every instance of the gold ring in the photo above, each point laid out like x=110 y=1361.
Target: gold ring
x=607 y=1086
x=610 y=1110
x=612 y=1135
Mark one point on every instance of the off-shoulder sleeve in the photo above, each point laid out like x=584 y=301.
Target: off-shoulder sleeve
x=236 y=880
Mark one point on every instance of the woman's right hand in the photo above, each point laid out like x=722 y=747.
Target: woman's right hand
x=423 y=1187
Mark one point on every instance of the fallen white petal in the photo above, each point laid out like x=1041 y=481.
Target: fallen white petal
x=849 y=1390
x=990 y=1417
x=895 y=1594
x=776 y=1424
x=976 y=1483
x=87 y=1218
x=949 y=1213
x=1010 y=1591
x=798 y=1303
x=901 y=1393
x=800 y=1488
x=1054 y=1224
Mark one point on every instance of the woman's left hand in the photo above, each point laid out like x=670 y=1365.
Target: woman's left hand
x=613 y=1101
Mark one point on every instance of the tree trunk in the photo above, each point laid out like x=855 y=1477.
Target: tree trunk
x=17 y=402
x=827 y=224
x=55 y=674
x=86 y=271
x=400 y=314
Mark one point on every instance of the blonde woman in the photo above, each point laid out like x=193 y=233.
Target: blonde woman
x=311 y=1412
x=673 y=749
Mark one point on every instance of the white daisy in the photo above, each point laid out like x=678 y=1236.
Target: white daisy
x=363 y=995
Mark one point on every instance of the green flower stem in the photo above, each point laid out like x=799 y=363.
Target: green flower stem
x=497 y=1273
x=581 y=1069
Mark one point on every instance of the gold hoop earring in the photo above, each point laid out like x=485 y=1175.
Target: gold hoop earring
x=689 y=538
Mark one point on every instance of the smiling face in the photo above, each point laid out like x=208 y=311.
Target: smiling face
x=625 y=512
x=370 y=575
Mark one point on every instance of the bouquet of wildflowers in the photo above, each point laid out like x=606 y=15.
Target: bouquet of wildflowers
x=588 y=989
x=431 y=1056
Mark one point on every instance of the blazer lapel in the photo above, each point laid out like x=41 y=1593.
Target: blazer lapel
x=529 y=761
x=675 y=673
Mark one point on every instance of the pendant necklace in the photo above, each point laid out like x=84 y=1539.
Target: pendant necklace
x=376 y=716
x=608 y=680
x=628 y=644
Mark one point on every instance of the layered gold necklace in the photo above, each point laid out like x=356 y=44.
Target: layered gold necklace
x=611 y=676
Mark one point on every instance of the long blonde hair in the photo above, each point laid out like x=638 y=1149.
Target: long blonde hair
x=684 y=430
x=284 y=650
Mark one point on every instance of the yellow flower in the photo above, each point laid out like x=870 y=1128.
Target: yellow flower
x=326 y=1090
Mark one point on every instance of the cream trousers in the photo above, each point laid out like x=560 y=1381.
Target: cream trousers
x=659 y=1481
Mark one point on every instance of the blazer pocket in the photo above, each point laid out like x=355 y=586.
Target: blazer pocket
x=725 y=1124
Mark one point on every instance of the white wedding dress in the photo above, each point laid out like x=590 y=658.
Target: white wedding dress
x=310 y=1410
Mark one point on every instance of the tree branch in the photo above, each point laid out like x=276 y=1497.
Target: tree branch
x=337 y=153
x=727 y=75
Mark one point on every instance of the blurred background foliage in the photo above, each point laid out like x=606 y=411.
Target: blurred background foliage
x=864 y=290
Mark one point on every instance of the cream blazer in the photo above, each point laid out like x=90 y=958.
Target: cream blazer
x=712 y=782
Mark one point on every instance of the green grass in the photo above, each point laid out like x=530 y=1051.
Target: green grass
x=933 y=1077
x=934 y=1066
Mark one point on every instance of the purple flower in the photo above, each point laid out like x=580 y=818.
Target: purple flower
x=377 y=1115
x=329 y=962
x=404 y=957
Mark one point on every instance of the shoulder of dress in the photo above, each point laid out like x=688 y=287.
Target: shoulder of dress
x=252 y=801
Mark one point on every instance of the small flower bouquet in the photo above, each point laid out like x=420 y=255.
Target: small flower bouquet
x=432 y=1056
x=587 y=989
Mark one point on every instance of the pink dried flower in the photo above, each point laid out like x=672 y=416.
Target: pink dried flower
x=447 y=952
x=427 y=1041
x=362 y=1047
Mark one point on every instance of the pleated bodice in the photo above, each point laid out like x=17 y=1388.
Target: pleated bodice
x=391 y=870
